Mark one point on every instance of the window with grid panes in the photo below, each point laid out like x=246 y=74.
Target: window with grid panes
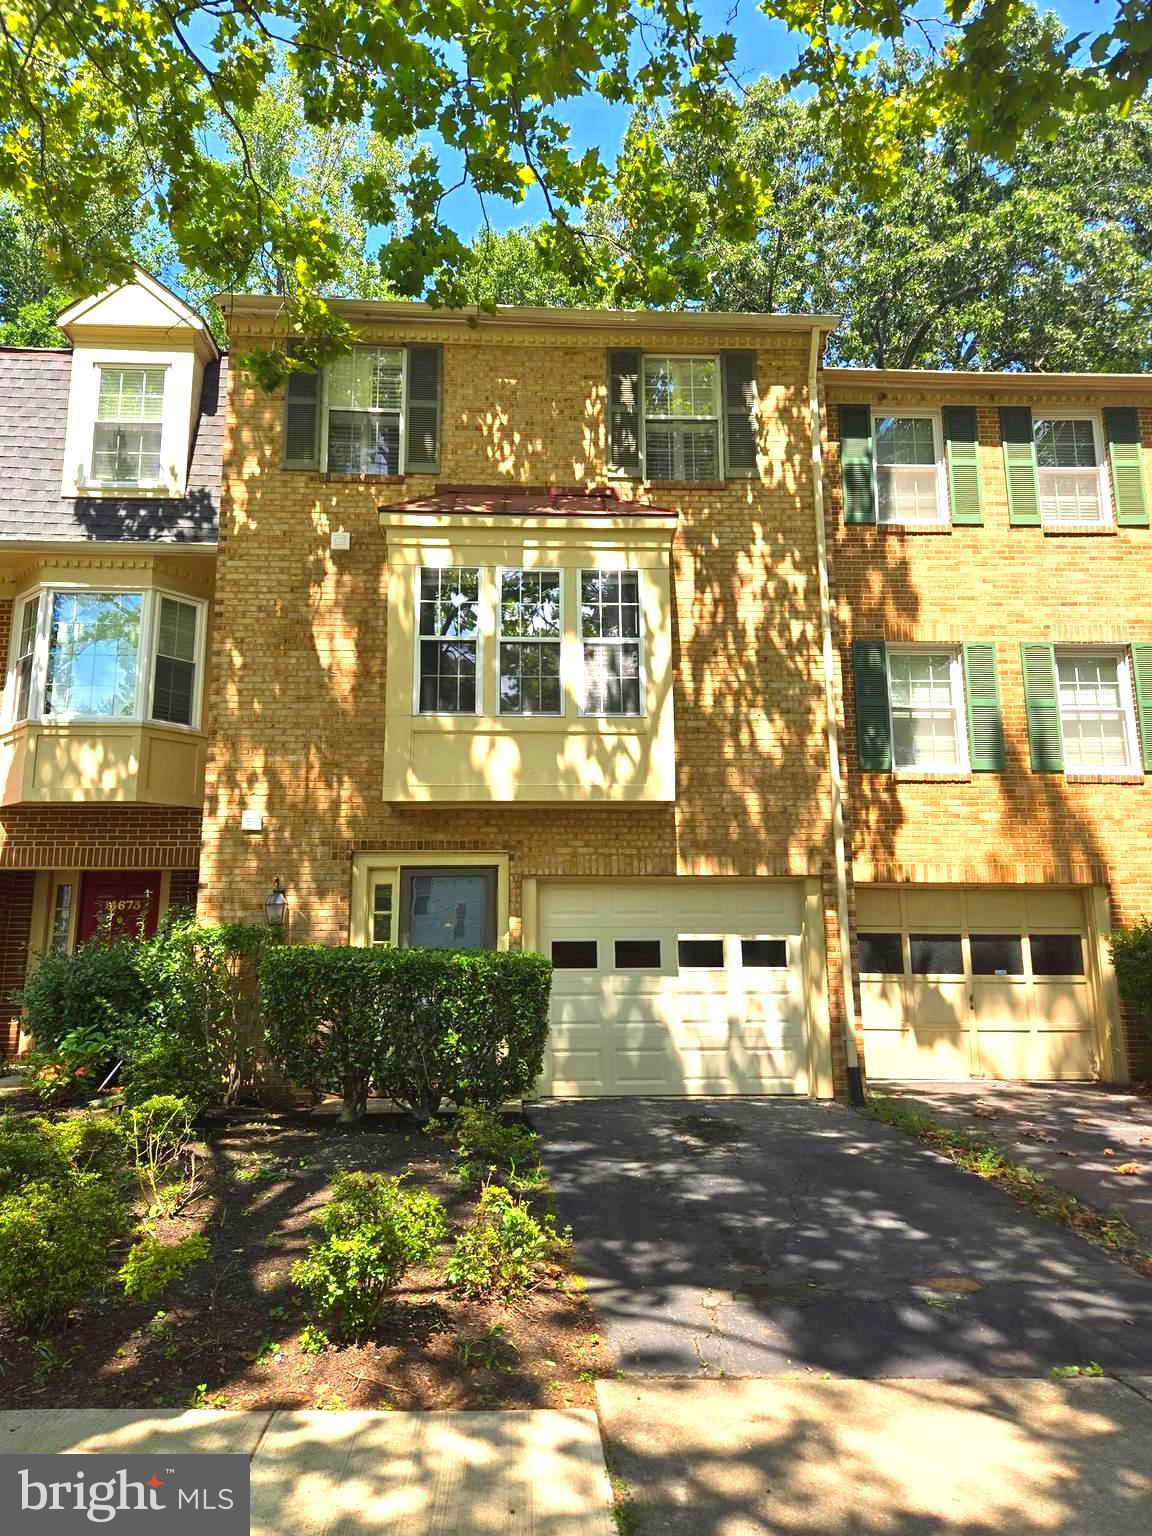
x=126 y=440
x=382 y=912
x=365 y=407
x=1068 y=461
x=681 y=418
x=448 y=639
x=926 y=695
x=530 y=642
x=907 y=453
x=174 y=675
x=610 y=631
x=1095 y=718
x=26 y=655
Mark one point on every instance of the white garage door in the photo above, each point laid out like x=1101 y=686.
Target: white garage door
x=675 y=987
x=982 y=983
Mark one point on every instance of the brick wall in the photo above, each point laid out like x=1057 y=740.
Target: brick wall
x=15 y=925
x=1008 y=585
x=298 y=691
x=98 y=837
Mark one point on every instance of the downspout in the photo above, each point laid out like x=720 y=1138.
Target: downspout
x=852 y=1059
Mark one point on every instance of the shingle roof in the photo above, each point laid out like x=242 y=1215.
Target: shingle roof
x=33 y=415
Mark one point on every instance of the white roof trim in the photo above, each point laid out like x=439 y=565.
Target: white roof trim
x=181 y=313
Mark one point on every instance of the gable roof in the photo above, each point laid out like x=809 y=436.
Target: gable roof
x=33 y=416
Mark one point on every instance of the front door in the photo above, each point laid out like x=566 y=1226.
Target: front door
x=448 y=908
x=125 y=901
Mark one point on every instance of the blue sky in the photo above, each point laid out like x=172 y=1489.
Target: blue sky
x=764 y=47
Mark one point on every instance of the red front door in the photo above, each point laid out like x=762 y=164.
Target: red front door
x=123 y=899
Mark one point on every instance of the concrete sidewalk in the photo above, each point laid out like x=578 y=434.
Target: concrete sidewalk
x=525 y=1473
x=882 y=1458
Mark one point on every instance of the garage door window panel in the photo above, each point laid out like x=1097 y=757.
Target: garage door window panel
x=575 y=955
x=448 y=651
x=764 y=954
x=530 y=639
x=610 y=632
x=937 y=954
x=1057 y=954
x=700 y=954
x=637 y=954
x=997 y=954
x=1097 y=724
x=881 y=954
x=926 y=694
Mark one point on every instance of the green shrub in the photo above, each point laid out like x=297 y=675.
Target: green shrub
x=374 y=1231
x=152 y=1266
x=158 y=1131
x=55 y=1242
x=1132 y=956
x=420 y=1025
x=506 y=1249
x=36 y=1150
x=92 y=1000
x=488 y=1143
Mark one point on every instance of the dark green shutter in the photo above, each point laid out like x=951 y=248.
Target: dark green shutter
x=1122 y=423
x=739 y=374
x=856 y=463
x=1020 y=466
x=873 y=719
x=1042 y=702
x=422 y=451
x=302 y=421
x=962 y=449
x=982 y=697
x=1142 y=671
x=624 y=411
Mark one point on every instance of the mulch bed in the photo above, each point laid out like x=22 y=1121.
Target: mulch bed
x=227 y=1335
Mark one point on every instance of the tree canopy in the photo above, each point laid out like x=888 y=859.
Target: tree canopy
x=486 y=89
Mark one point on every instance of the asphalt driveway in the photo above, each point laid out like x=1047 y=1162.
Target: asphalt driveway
x=748 y=1237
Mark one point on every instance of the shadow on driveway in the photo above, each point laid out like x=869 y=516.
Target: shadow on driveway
x=753 y=1237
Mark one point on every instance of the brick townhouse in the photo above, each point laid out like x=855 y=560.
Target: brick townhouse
x=639 y=639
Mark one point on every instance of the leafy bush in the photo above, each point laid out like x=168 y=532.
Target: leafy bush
x=420 y=1025
x=39 y=1150
x=374 y=1231
x=1132 y=956
x=487 y=1143
x=55 y=1240
x=158 y=1132
x=506 y=1249
x=90 y=1001
x=152 y=1266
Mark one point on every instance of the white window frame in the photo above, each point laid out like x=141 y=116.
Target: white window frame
x=326 y=409
x=1123 y=661
x=943 y=515
x=1103 y=479
x=500 y=639
x=638 y=641
x=485 y=624
x=959 y=708
x=124 y=367
x=718 y=402
x=145 y=658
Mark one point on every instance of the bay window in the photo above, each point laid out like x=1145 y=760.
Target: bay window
x=529 y=625
x=80 y=654
x=610 y=630
x=447 y=652
x=129 y=424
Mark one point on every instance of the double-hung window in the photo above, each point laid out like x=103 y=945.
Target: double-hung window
x=681 y=417
x=107 y=656
x=448 y=645
x=926 y=694
x=1070 y=470
x=908 y=459
x=610 y=631
x=530 y=640
x=1097 y=723
x=366 y=411
x=129 y=425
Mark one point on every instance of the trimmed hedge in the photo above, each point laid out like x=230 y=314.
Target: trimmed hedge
x=419 y=1025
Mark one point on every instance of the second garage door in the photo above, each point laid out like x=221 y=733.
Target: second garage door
x=675 y=987
x=988 y=982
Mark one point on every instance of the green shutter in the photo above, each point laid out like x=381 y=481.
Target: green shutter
x=302 y=421
x=962 y=448
x=1142 y=670
x=856 y=463
x=739 y=376
x=422 y=450
x=1042 y=702
x=624 y=411
x=982 y=696
x=1122 y=424
x=1020 y=466
x=873 y=719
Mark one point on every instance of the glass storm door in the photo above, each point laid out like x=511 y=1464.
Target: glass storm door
x=448 y=908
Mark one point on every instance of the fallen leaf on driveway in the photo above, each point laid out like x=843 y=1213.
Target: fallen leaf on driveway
x=959 y=1283
x=1108 y=1152
x=1128 y=1168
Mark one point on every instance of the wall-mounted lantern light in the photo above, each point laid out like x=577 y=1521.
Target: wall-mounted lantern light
x=276 y=906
